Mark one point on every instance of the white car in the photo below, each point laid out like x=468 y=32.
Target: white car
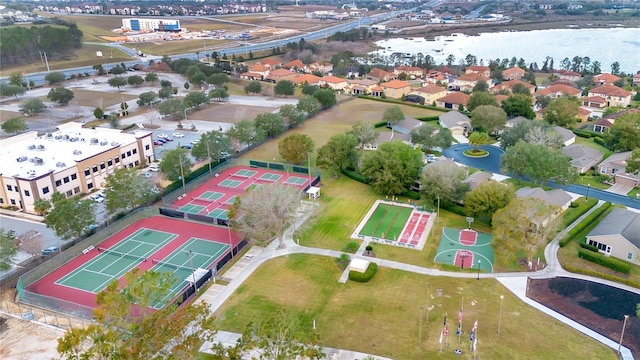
x=154 y=167
x=96 y=198
x=163 y=136
x=177 y=135
x=195 y=141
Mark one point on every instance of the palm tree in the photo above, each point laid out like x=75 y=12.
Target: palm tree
x=42 y=206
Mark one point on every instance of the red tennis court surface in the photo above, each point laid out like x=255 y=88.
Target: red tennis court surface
x=468 y=237
x=183 y=229
x=464 y=259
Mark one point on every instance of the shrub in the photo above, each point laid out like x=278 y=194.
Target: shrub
x=343 y=261
x=587 y=221
x=456 y=209
x=584 y=245
x=355 y=176
x=617 y=279
x=380 y=124
x=600 y=141
x=369 y=248
x=601 y=259
x=351 y=247
x=365 y=276
x=583 y=134
x=574 y=205
x=413 y=195
x=428 y=118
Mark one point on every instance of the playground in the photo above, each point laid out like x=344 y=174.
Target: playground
x=395 y=224
x=466 y=249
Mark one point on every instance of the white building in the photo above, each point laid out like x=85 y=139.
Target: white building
x=150 y=25
x=71 y=160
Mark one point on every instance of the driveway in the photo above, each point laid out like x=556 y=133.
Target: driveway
x=621 y=189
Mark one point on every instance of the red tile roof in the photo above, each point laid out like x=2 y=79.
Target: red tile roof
x=606 y=78
x=306 y=78
x=559 y=88
x=431 y=89
x=610 y=90
x=395 y=84
x=458 y=98
x=333 y=79
x=280 y=72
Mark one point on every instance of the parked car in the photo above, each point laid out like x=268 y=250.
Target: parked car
x=431 y=158
x=162 y=141
x=187 y=146
x=154 y=167
x=96 y=198
x=168 y=138
x=157 y=143
x=177 y=135
x=195 y=141
x=148 y=175
x=50 y=250
x=162 y=136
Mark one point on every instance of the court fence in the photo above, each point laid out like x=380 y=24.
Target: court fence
x=50 y=265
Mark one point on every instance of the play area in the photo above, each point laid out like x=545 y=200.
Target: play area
x=395 y=224
x=187 y=250
x=466 y=249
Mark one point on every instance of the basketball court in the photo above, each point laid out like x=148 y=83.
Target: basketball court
x=465 y=249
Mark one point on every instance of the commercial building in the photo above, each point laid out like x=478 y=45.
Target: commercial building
x=150 y=25
x=70 y=160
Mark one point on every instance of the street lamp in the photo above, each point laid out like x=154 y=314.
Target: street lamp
x=500 y=316
x=588 y=187
x=624 y=325
x=479 y=261
x=193 y=269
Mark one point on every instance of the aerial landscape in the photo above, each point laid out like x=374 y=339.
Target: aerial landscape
x=309 y=179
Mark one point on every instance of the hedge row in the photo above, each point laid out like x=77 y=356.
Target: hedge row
x=355 y=176
x=380 y=124
x=600 y=141
x=586 y=246
x=614 y=278
x=413 y=195
x=606 y=261
x=587 y=221
x=428 y=118
x=454 y=208
x=365 y=276
x=584 y=134
x=580 y=210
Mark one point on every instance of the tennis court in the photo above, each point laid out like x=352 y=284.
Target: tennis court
x=192 y=208
x=211 y=195
x=183 y=261
x=296 y=180
x=219 y=214
x=231 y=183
x=270 y=177
x=245 y=173
x=114 y=262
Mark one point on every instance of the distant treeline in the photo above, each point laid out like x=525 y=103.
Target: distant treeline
x=22 y=45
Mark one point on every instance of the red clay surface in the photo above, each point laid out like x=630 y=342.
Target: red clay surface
x=184 y=229
x=468 y=259
x=468 y=237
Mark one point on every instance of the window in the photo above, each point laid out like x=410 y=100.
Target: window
x=124 y=156
x=117 y=160
x=27 y=193
x=90 y=186
x=135 y=151
x=65 y=179
x=9 y=187
x=1 y=201
x=75 y=176
x=69 y=193
x=45 y=190
x=630 y=256
x=110 y=162
x=146 y=147
x=95 y=169
x=13 y=202
x=87 y=172
x=58 y=182
x=102 y=166
x=76 y=190
x=128 y=153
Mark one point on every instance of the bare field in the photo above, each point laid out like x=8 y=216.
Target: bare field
x=160 y=48
x=99 y=98
x=229 y=113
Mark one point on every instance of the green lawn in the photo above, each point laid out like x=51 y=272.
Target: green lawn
x=382 y=316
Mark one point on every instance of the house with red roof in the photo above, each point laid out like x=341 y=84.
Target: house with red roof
x=378 y=74
x=307 y=79
x=558 y=90
x=269 y=63
x=636 y=79
x=251 y=76
x=514 y=73
x=396 y=88
x=333 y=82
x=508 y=86
x=430 y=93
x=614 y=95
x=454 y=101
x=567 y=75
x=360 y=87
x=433 y=77
x=295 y=65
x=469 y=81
x=605 y=78
x=259 y=69
x=478 y=69
x=281 y=74
x=323 y=67
x=413 y=72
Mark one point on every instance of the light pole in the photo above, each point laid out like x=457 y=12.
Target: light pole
x=588 y=187
x=500 y=316
x=193 y=269
x=420 y=336
x=624 y=325
x=479 y=261
x=229 y=232
x=181 y=170
x=428 y=299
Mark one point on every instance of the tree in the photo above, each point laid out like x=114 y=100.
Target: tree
x=615 y=68
x=544 y=135
x=309 y=105
x=326 y=98
x=309 y=89
x=8 y=249
x=295 y=148
x=117 y=82
x=393 y=115
x=196 y=98
x=245 y=132
x=173 y=107
x=118 y=70
x=338 y=154
x=148 y=98
x=543 y=101
x=135 y=80
x=176 y=164
x=633 y=162
x=124 y=327
x=211 y=145
x=488 y=118
x=60 y=95
x=538 y=163
x=271 y=124
x=292 y=115
x=519 y=105
x=281 y=336
x=444 y=181
x=562 y=111
x=624 y=134
x=69 y=217
x=15 y=78
x=32 y=106
x=521 y=89
x=284 y=88
x=31 y=242
x=253 y=87
x=219 y=94
x=114 y=120
x=218 y=79
x=125 y=190
x=12 y=90
x=481 y=98
x=444 y=139
x=266 y=212
x=487 y=198
x=365 y=132
x=55 y=77
x=98 y=113
x=166 y=92
x=14 y=125
x=42 y=206
x=393 y=168
x=151 y=77
x=525 y=224
x=480 y=86
x=478 y=138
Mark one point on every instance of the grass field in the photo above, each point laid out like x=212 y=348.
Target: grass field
x=386 y=222
x=161 y=48
x=382 y=316
x=86 y=56
x=98 y=98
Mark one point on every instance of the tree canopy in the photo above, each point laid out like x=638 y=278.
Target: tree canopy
x=488 y=118
x=8 y=249
x=624 y=134
x=196 y=99
x=487 y=198
x=519 y=105
x=60 y=95
x=534 y=132
x=338 y=154
x=14 y=125
x=444 y=181
x=211 y=145
x=633 y=162
x=55 y=77
x=393 y=168
x=173 y=107
x=295 y=148
x=308 y=104
x=125 y=190
x=32 y=106
x=12 y=90
x=245 y=132
x=291 y=115
x=69 y=217
x=481 y=98
x=117 y=82
x=326 y=98
x=365 y=132
x=284 y=88
x=393 y=115
x=562 y=111
x=253 y=87
x=148 y=98
x=271 y=124
x=176 y=164
x=538 y=163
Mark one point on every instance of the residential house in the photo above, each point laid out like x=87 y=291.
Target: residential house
x=636 y=79
x=508 y=85
x=615 y=166
x=412 y=72
x=469 y=81
x=454 y=101
x=514 y=121
x=479 y=70
x=603 y=125
x=379 y=75
x=605 y=78
x=594 y=104
x=614 y=95
x=434 y=77
x=557 y=198
x=307 y=79
x=568 y=137
x=377 y=91
x=269 y=63
x=583 y=158
x=618 y=235
x=457 y=123
x=567 y=75
x=259 y=69
x=281 y=74
x=478 y=178
x=400 y=131
x=295 y=65
x=583 y=114
x=430 y=93
x=360 y=86
x=333 y=82
x=251 y=76
x=557 y=90
x=323 y=67
x=396 y=88
x=514 y=73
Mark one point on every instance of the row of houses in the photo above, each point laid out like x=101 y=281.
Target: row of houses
x=195 y=9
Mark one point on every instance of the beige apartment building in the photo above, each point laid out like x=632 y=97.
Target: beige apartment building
x=70 y=160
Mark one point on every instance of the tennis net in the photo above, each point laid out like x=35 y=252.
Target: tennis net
x=239 y=176
x=173 y=266
x=120 y=254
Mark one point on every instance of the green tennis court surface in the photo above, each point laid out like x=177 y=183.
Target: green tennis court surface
x=231 y=200
x=296 y=180
x=211 y=195
x=245 y=173
x=230 y=183
x=113 y=263
x=386 y=222
x=191 y=208
x=201 y=253
x=270 y=177
x=219 y=214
